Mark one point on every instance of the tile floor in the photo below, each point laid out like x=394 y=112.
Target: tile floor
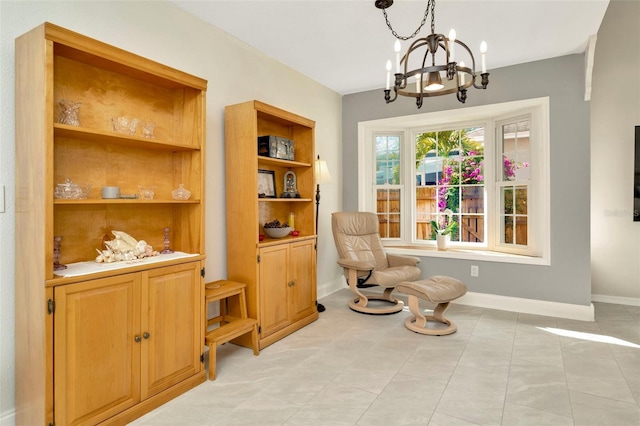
x=500 y=368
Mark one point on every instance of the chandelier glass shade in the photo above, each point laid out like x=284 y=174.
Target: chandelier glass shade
x=430 y=67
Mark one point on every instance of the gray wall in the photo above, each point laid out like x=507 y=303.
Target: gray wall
x=568 y=278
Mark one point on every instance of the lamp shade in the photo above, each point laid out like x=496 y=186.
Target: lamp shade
x=322 y=172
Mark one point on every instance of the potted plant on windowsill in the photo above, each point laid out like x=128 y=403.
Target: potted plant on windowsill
x=443 y=229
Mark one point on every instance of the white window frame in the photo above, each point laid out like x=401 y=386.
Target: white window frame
x=538 y=251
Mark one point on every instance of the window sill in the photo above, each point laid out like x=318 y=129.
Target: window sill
x=466 y=254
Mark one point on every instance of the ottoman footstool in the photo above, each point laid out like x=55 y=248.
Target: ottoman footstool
x=437 y=289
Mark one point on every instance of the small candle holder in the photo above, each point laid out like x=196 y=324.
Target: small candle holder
x=57 y=266
x=69 y=112
x=166 y=250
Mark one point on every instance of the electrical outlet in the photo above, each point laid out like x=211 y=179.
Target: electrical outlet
x=474 y=270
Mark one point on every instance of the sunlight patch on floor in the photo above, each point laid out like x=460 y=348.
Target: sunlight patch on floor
x=589 y=336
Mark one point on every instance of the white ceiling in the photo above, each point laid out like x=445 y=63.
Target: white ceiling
x=344 y=45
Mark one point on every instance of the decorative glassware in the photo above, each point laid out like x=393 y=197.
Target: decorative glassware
x=57 y=266
x=166 y=242
x=69 y=112
x=147 y=192
x=72 y=191
x=181 y=193
x=124 y=124
x=147 y=128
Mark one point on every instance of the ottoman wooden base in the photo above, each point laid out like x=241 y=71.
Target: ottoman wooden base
x=438 y=289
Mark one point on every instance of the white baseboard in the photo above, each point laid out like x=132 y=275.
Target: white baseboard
x=329 y=287
x=8 y=418
x=632 y=301
x=503 y=303
x=528 y=306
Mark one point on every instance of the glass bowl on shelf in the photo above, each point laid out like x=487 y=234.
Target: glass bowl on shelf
x=124 y=124
x=181 y=193
x=72 y=191
x=147 y=192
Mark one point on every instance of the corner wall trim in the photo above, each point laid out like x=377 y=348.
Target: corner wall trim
x=8 y=417
x=588 y=65
x=528 y=306
x=330 y=287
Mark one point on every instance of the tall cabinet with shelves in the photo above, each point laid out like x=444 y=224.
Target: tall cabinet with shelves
x=105 y=342
x=280 y=274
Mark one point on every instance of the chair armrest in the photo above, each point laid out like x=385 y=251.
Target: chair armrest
x=400 y=260
x=356 y=264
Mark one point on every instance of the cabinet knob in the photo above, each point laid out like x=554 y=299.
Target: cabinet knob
x=291 y=284
x=146 y=335
x=137 y=339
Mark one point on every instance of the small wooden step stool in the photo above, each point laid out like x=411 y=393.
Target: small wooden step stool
x=230 y=326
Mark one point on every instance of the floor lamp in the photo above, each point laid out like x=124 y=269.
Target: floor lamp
x=322 y=176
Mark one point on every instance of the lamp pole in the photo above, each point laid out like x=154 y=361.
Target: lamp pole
x=322 y=176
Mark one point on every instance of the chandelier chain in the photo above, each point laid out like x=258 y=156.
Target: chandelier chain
x=433 y=15
x=415 y=33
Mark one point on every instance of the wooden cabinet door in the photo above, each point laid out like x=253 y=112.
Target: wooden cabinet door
x=302 y=266
x=96 y=356
x=172 y=332
x=274 y=289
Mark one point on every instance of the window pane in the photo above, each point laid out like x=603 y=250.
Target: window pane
x=388 y=209
x=472 y=199
x=515 y=151
x=472 y=228
x=387 y=160
x=507 y=226
x=521 y=200
x=449 y=198
x=507 y=200
x=425 y=210
x=521 y=230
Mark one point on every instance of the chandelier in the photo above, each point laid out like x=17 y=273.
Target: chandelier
x=420 y=73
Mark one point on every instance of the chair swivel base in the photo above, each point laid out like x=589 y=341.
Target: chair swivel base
x=437 y=289
x=361 y=305
x=419 y=325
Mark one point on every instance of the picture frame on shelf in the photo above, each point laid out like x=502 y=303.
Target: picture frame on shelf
x=266 y=184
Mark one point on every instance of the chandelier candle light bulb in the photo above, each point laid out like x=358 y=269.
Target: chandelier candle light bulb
x=483 y=50
x=461 y=74
x=396 y=48
x=452 y=45
x=389 y=74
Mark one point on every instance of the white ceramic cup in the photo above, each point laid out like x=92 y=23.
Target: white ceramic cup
x=110 y=191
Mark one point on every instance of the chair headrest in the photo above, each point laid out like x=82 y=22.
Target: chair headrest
x=355 y=223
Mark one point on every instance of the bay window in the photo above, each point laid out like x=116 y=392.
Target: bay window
x=478 y=174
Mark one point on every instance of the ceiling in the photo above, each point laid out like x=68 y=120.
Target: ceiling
x=344 y=45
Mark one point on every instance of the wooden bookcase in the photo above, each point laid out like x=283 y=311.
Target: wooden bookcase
x=139 y=326
x=280 y=274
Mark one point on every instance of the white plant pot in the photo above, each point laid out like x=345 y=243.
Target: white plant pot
x=442 y=241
